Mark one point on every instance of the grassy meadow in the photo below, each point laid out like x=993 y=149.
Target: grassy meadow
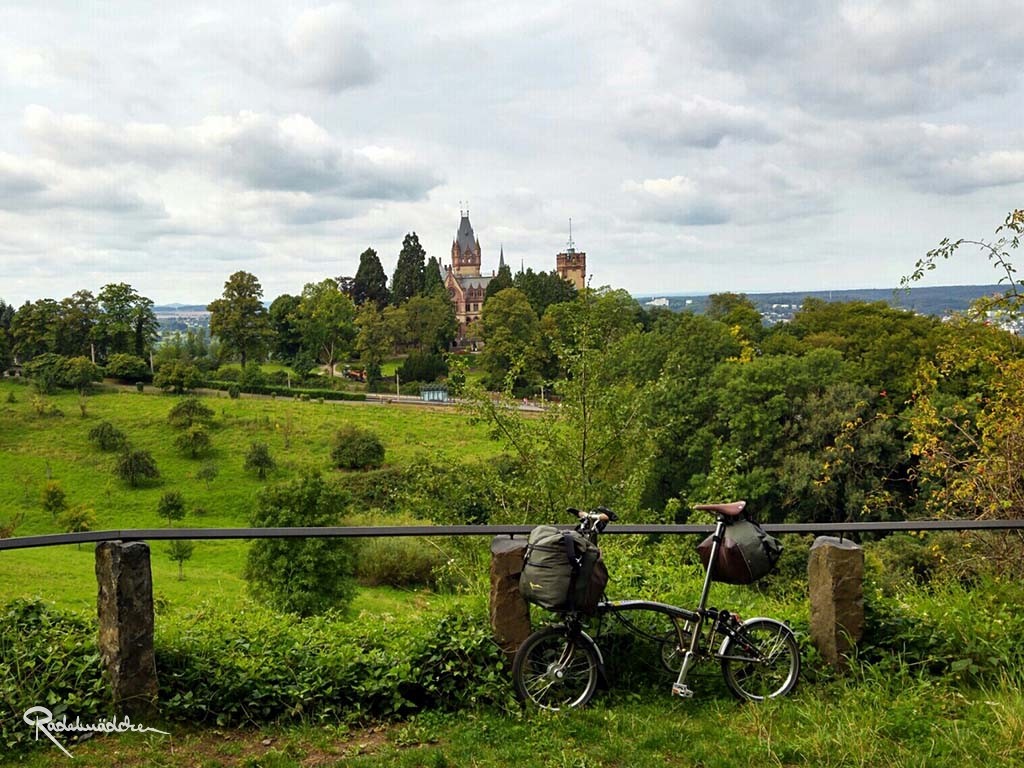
x=35 y=449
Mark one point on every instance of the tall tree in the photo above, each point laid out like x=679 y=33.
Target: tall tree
x=79 y=320
x=375 y=339
x=430 y=323
x=409 y=272
x=736 y=311
x=287 y=336
x=371 y=283
x=511 y=333
x=501 y=281
x=325 y=316
x=127 y=324
x=33 y=328
x=239 y=318
x=543 y=289
x=433 y=283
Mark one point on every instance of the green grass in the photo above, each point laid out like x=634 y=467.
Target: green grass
x=35 y=449
x=888 y=723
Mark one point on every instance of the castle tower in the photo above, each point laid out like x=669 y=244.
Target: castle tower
x=467 y=288
x=571 y=264
x=465 y=249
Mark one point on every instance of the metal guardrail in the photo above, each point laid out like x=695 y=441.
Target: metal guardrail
x=216 y=534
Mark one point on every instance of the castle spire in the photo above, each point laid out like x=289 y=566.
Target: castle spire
x=501 y=258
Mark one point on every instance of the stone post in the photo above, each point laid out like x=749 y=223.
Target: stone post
x=835 y=573
x=125 y=606
x=510 y=614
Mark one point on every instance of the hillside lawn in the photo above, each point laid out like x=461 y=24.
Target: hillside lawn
x=35 y=449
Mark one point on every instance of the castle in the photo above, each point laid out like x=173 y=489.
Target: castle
x=467 y=287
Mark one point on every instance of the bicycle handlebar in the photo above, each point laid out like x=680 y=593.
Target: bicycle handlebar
x=599 y=514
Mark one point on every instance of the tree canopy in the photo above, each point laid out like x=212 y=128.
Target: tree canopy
x=239 y=318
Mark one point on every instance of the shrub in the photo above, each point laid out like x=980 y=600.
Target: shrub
x=107 y=437
x=303 y=576
x=47 y=658
x=179 y=552
x=234 y=392
x=252 y=375
x=208 y=473
x=259 y=460
x=79 y=373
x=136 y=467
x=194 y=441
x=171 y=506
x=422 y=367
x=46 y=372
x=178 y=377
x=127 y=368
x=397 y=561
x=53 y=498
x=140 y=387
x=188 y=412
x=227 y=373
x=356 y=448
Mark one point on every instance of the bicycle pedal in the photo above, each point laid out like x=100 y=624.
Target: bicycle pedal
x=682 y=691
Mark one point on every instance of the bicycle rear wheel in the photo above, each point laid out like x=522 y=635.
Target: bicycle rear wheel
x=555 y=669
x=762 y=661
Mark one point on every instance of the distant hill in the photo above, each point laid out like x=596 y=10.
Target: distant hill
x=775 y=307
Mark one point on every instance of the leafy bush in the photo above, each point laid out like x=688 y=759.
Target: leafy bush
x=234 y=392
x=53 y=498
x=356 y=448
x=46 y=371
x=422 y=367
x=47 y=658
x=178 y=377
x=171 y=506
x=188 y=412
x=259 y=460
x=127 y=368
x=107 y=437
x=397 y=561
x=228 y=373
x=135 y=467
x=194 y=441
x=252 y=375
x=302 y=576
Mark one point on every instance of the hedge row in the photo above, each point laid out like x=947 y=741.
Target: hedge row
x=250 y=667
x=284 y=391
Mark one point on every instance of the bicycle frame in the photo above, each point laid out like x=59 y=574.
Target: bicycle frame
x=694 y=620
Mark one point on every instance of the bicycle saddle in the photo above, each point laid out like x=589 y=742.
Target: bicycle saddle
x=732 y=509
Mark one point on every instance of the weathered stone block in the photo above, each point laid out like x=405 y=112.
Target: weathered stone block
x=510 y=614
x=835 y=572
x=125 y=607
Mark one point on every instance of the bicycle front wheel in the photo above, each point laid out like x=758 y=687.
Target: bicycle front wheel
x=762 y=661
x=555 y=669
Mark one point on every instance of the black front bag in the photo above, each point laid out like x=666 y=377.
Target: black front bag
x=747 y=553
x=562 y=571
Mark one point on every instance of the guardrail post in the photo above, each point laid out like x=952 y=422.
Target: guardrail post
x=510 y=614
x=835 y=574
x=125 y=607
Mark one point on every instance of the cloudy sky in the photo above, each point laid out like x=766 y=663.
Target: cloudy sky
x=697 y=146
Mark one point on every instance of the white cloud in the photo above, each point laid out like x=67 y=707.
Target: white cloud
x=330 y=49
x=665 y=121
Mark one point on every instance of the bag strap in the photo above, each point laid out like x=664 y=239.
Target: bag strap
x=570 y=550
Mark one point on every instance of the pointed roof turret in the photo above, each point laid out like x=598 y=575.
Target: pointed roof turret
x=465 y=239
x=501 y=258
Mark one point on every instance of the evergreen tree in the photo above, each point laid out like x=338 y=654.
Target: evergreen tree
x=409 y=272
x=371 y=283
x=501 y=281
x=287 y=336
x=433 y=283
